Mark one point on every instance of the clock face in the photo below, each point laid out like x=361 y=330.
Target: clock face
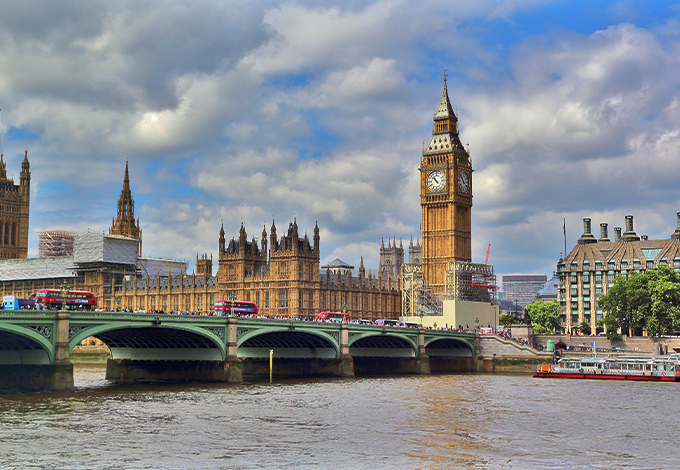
x=436 y=180
x=463 y=181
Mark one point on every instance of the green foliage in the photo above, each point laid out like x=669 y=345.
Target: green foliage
x=545 y=316
x=584 y=327
x=506 y=320
x=612 y=327
x=649 y=300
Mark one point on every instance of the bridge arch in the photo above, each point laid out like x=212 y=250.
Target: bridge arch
x=382 y=344
x=448 y=347
x=22 y=345
x=166 y=341
x=288 y=342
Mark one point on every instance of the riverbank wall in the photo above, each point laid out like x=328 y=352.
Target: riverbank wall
x=642 y=344
x=497 y=354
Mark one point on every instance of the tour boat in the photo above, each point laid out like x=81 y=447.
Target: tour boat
x=666 y=368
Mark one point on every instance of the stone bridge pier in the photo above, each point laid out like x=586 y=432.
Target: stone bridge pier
x=28 y=367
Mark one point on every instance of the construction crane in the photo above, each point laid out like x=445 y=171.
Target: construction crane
x=486 y=260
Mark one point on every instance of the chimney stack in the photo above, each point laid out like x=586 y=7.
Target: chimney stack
x=587 y=237
x=629 y=235
x=676 y=234
x=617 y=234
x=604 y=236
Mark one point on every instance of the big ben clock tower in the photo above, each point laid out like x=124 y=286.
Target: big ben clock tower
x=445 y=197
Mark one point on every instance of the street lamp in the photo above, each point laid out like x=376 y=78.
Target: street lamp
x=64 y=291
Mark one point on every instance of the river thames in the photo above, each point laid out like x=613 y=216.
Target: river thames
x=484 y=421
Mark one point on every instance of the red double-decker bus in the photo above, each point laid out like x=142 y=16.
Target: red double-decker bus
x=234 y=307
x=337 y=317
x=51 y=299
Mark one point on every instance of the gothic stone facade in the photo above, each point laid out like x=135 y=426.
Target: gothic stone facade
x=14 y=207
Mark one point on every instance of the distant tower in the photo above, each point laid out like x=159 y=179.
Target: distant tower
x=14 y=211
x=415 y=252
x=391 y=259
x=124 y=224
x=204 y=265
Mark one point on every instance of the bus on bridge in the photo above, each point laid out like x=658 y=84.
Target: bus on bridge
x=54 y=299
x=234 y=307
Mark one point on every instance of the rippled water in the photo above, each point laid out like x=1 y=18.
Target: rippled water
x=443 y=421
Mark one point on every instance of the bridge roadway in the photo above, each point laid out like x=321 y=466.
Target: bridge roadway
x=35 y=346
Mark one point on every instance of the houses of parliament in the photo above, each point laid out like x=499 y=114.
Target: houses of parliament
x=280 y=272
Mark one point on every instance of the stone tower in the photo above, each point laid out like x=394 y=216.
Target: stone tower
x=415 y=252
x=445 y=197
x=124 y=223
x=391 y=259
x=14 y=211
x=204 y=265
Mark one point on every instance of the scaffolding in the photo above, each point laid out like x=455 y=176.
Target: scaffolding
x=417 y=298
x=473 y=282
x=55 y=243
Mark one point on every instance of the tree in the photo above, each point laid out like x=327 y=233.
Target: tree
x=648 y=300
x=544 y=316
x=612 y=327
x=506 y=320
x=584 y=327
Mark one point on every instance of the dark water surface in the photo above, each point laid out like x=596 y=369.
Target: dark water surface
x=442 y=421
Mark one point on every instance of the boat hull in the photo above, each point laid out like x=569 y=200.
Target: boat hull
x=652 y=378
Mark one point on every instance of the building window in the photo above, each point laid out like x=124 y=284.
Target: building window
x=283 y=299
x=187 y=304
x=283 y=270
x=598 y=277
x=232 y=272
x=199 y=303
x=301 y=272
x=650 y=264
x=266 y=300
x=257 y=298
x=585 y=277
x=153 y=303
x=165 y=304
x=212 y=301
x=176 y=302
x=247 y=296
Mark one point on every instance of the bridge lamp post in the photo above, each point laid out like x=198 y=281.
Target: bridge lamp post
x=232 y=297
x=64 y=291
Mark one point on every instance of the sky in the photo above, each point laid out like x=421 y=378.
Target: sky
x=246 y=112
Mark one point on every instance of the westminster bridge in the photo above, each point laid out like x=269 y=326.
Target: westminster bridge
x=35 y=346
